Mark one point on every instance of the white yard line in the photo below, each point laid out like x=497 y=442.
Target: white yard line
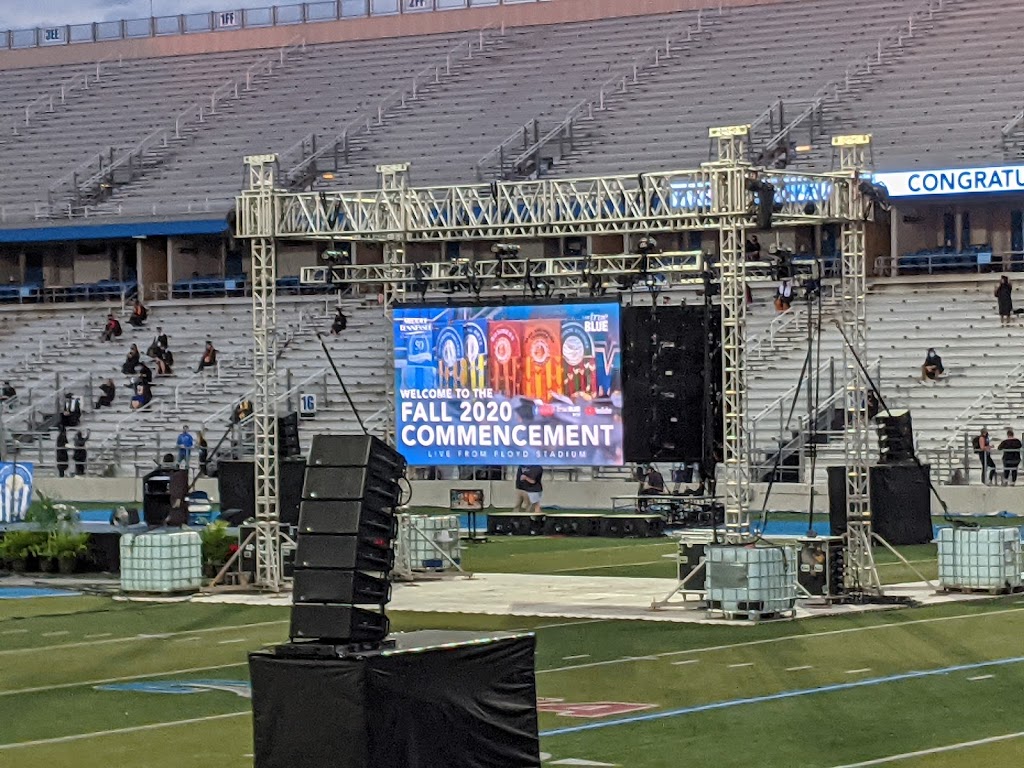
x=130 y=638
x=787 y=638
x=744 y=664
x=685 y=661
x=934 y=750
x=976 y=678
x=799 y=669
x=104 y=681
x=858 y=671
x=116 y=731
x=236 y=640
x=596 y=567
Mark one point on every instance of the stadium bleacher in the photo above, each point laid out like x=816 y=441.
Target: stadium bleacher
x=443 y=101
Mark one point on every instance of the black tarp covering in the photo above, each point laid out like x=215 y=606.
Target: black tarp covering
x=471 y=705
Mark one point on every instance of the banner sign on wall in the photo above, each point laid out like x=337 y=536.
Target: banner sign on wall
x=953 y=181
x=15 y=491
x=529 y=384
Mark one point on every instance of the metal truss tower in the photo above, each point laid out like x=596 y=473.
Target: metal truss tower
x=258 y=206
x=861 y=573
x=729 y=176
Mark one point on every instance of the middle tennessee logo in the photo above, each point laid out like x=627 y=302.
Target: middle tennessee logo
x=183 y=687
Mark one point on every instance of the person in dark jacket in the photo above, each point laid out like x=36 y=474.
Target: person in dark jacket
x=62 y=452
x=112 y=329
x=131 y=360
x=81 y=454
x=204 y=455
x=209 y=358
x=107 y=392
x=340 y=322
x=139 y=315
x=983 y=447
x=932 y=369
x=1010 y=448
x=1004 y=300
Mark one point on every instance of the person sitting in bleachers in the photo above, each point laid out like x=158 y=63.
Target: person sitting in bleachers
x=144 y=374
x=165 y=363
x=141 y=397
x=209 y=358
x=242 y=411
x=112 y=329
x=752 y=248
x=159 y=344
x=784 y=296
x=932 y=369
x=139 y=315
x=340 y=322
x=131 y=360
x=107 y=392
x=7 y=393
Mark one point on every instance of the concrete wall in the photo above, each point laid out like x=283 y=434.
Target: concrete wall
x=188 y=255
x=92 y=267
x=401 y=25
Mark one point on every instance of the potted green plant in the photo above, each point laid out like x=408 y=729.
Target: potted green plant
x=45 y=555
x=17 y=548
x=217 y=545
x=66 y=547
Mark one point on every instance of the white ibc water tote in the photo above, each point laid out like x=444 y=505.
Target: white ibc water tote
x=162 y=561
x=751 y=582
x=980 y=558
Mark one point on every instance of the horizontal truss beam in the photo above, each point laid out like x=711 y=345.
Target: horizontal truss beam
x=653 y=202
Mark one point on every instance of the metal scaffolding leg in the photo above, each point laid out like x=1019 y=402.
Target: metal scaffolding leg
x=264 y=335
x=729 y=176
x=862 y=575
x=735 y=454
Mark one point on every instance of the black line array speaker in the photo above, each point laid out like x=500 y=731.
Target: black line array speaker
x=345 y=542
x=664 y=384
x=288 y=436
x=895 y=436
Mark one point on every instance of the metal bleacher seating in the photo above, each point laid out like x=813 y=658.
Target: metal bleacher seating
x=47 y=353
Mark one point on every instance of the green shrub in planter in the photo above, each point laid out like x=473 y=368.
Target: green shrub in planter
x=217 y=544
x=66 y=548
x=17 y=547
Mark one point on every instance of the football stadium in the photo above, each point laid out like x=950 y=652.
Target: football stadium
x=512 y=384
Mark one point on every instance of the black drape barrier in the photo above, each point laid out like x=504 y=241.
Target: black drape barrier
x=900 y=502
x=471 y=705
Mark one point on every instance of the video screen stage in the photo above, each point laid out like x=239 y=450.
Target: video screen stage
x=523 y=384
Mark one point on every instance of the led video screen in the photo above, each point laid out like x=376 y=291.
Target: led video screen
x=517 y=384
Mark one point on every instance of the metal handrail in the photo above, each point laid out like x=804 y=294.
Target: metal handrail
x=759 y=345
x=531 y=126
x=830 y=91
x=47 y=102
x=1013 y=377
x=364 y=122
x=162 y=137
x=649 y=57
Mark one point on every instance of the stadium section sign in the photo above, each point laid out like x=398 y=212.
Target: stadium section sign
x=537 y=383
x=953 y=181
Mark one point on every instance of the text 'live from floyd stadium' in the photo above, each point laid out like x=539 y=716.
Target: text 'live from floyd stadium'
x=537 y=383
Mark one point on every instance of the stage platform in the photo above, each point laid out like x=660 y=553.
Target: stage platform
x=577 y=598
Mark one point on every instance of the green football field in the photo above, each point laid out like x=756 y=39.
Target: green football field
x=822 y=692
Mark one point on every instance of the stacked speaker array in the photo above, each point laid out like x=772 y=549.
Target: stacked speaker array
x=895 y=436
x=664 y=388
x=344 y=552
